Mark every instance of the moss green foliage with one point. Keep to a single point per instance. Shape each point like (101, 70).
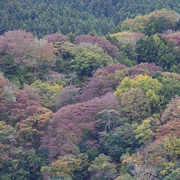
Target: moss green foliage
(157, 21)
(88, 59)
(147, 129)
(102, 168)
(150, 88)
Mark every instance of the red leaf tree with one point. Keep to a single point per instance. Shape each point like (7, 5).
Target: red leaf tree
(68, 125)
(16, 42)
(103, 81)
(143, 68)
(112, 50)
(174, 37)
(53, 38)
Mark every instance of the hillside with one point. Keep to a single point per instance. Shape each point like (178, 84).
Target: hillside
(90, 107)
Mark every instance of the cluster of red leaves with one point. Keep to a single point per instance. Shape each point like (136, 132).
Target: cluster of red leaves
(24, 113)
(18, 110)
(143, 68)
(98, 86)
(70, 122)
(112, 50)
(56, 38)
(102, 82)
(16, 43)
(175, 37)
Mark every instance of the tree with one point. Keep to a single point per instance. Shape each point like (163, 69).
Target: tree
(110, 119)
(119, 141)
(48, 92)
(149, 86)
(109, 70)
(25, 165)
(6, 133)
(143, 68)
(170, 88)
(102, 168)
(174, 37)
(112, 50)
(64, 167)
(155, 49)
(88, 58)
(135, 104)
(56, 38)
(174, 175)
(97, 87)
(160, 20)
(171, 111)
(73, 122)
(41, 55)
(67, 96)
(31, 56)
(127, 37)
(147, 129)
(30, 130)
(16, 43)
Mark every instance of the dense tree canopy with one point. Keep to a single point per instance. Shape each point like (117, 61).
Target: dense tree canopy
(84, 106)
(44, 17)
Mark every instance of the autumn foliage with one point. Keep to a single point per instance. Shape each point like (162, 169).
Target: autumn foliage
(174, 37)
(90, 108)
(70, 122)
(112, 50)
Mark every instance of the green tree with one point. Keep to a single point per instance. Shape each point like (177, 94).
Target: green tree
(48, 92)
(149, 86)
(102, 168)
(170, 88)
(119, 141)
(88, 58)
(147, 129)
(65, 167)
(174, 175)
(135, 104)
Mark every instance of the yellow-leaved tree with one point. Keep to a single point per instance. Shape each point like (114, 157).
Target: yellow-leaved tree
(139, 96)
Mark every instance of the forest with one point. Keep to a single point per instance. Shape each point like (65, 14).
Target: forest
(43, 17)
(94, 104)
